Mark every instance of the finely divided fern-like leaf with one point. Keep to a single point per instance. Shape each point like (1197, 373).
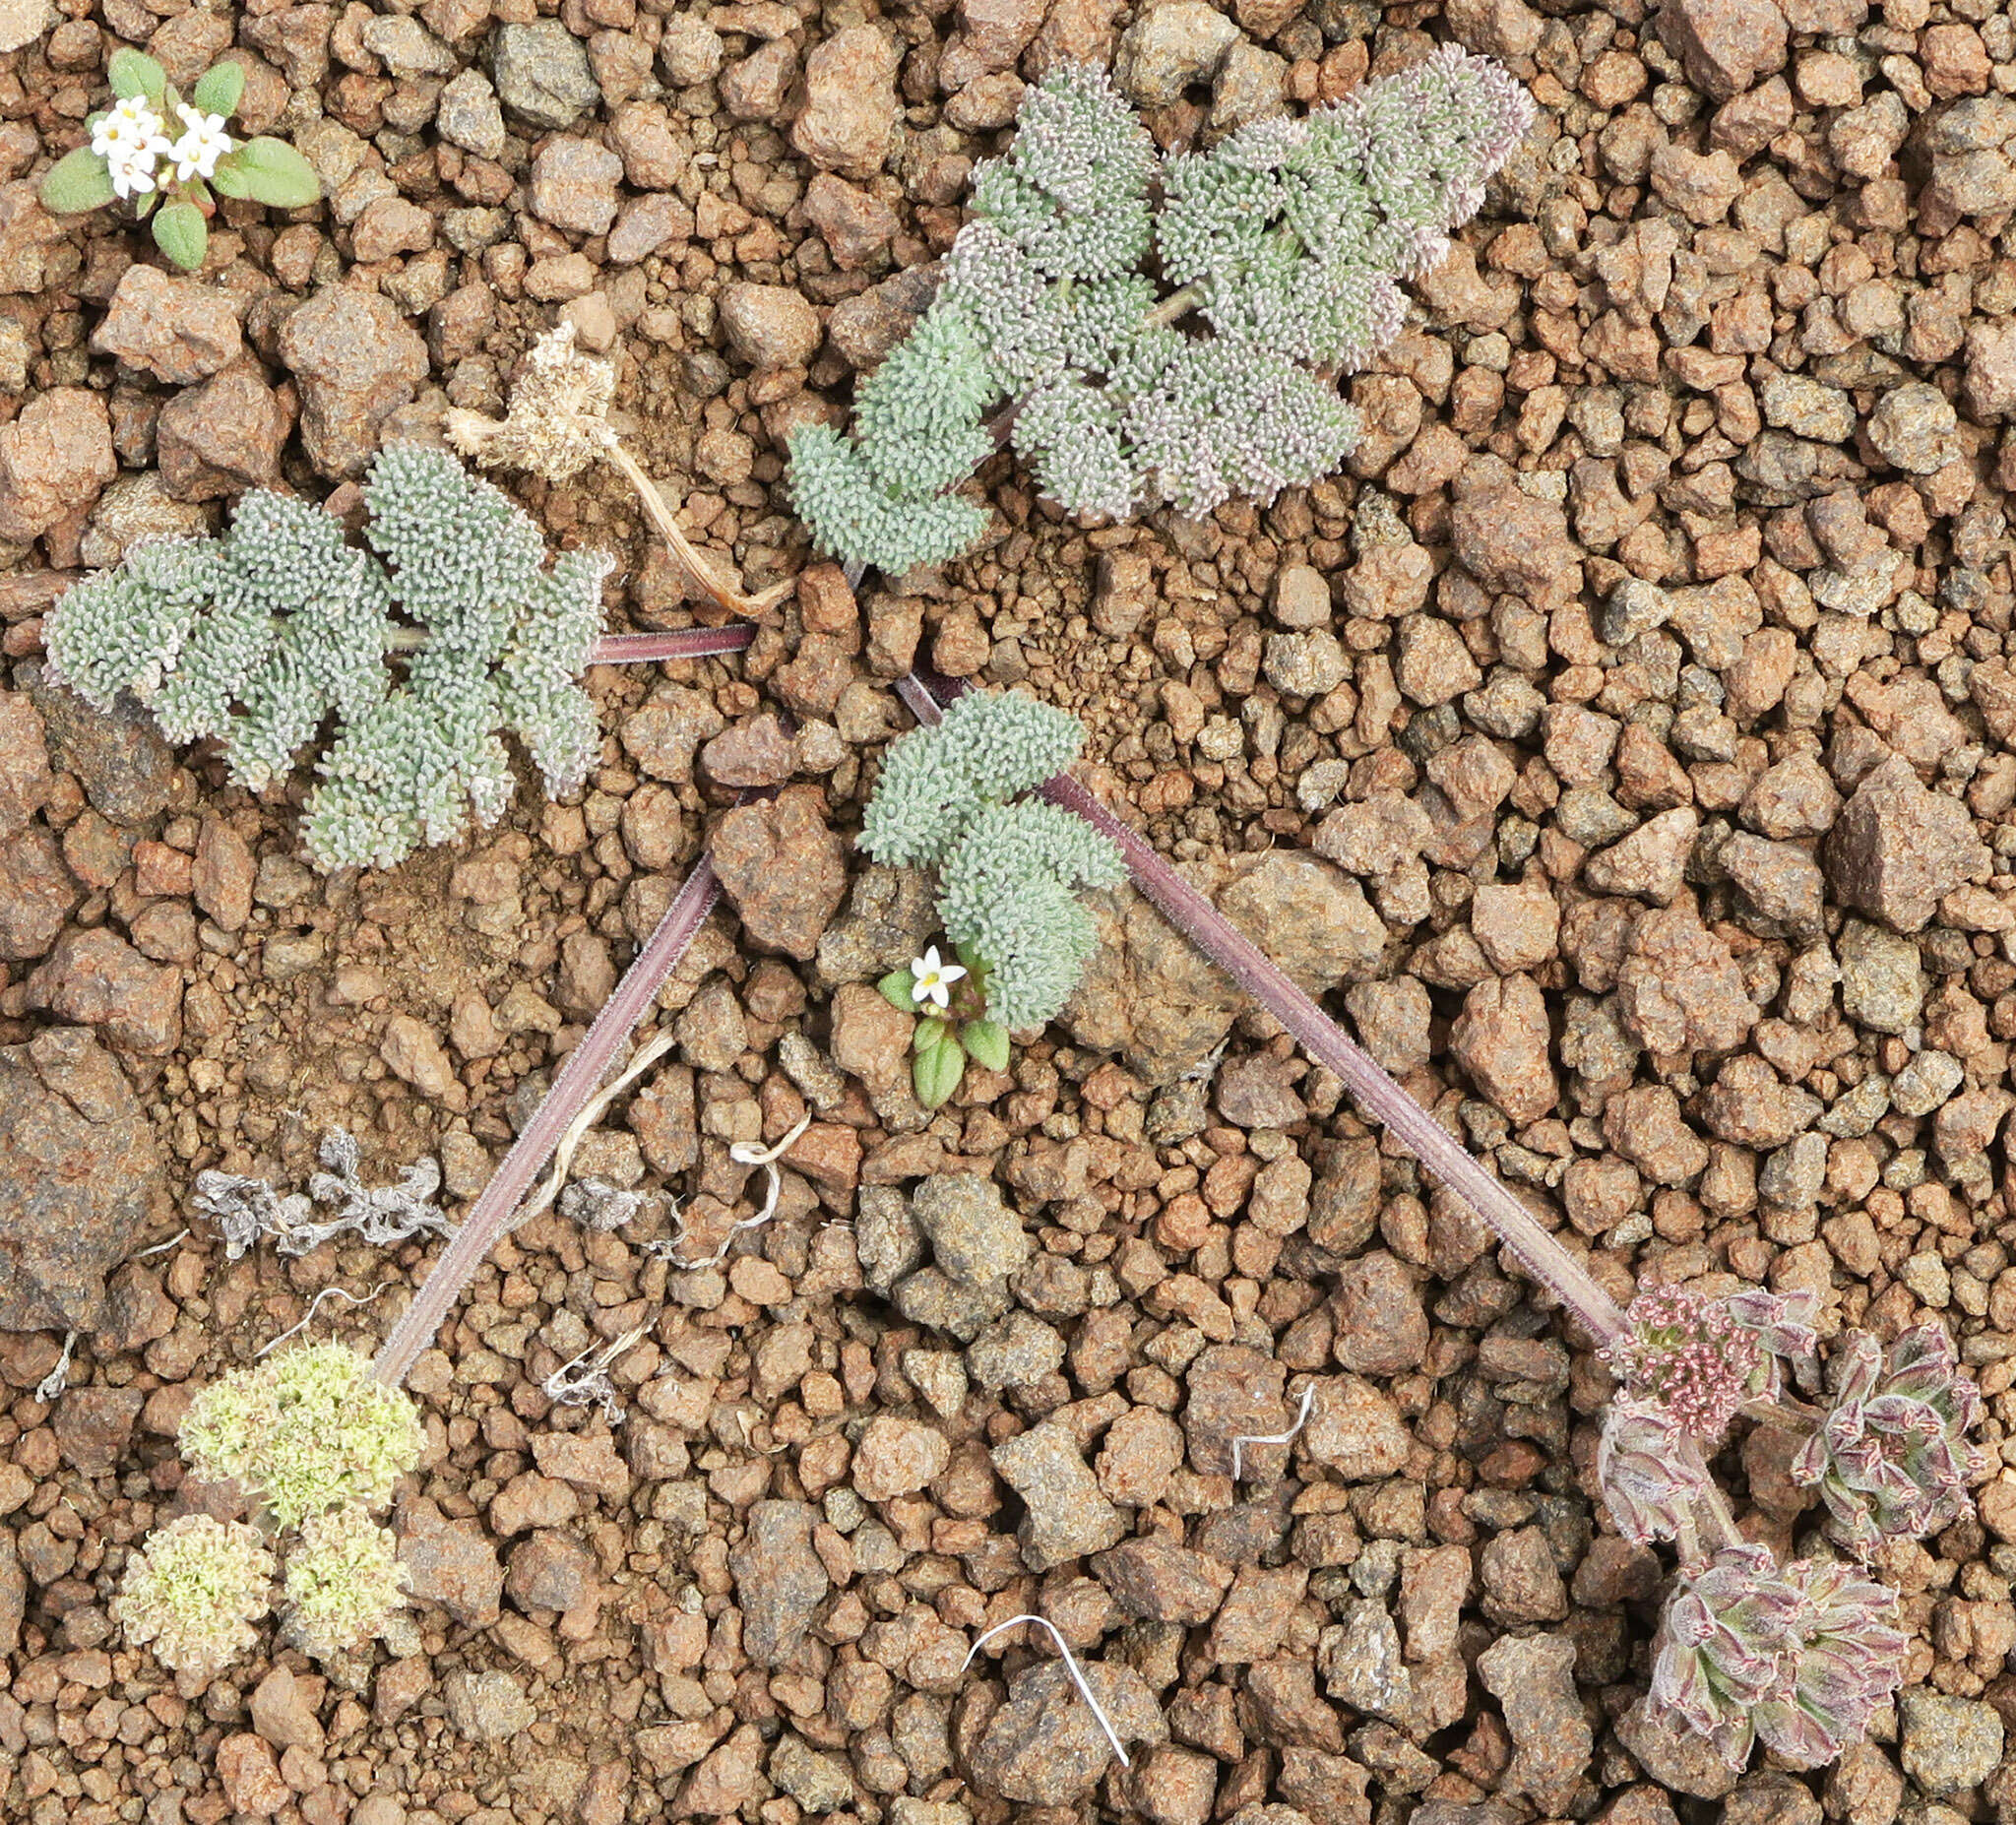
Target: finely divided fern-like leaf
(1285, 241)
(281, 628)
(1008, 868)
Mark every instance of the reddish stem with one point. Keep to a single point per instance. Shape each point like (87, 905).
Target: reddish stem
(688, 643)
(577, 1079)
(1529, 1241)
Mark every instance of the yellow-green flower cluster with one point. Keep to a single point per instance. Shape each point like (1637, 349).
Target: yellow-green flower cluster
(309, 1430)
(194, 1590)
(343, 1580)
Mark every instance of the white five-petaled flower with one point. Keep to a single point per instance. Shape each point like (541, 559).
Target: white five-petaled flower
(931, 980)
(129, 138)
(203, 143)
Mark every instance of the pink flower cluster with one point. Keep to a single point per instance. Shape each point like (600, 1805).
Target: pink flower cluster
(1686, 1354)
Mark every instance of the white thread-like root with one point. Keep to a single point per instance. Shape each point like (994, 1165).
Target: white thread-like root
(1274, 1438)
(1071, 1667)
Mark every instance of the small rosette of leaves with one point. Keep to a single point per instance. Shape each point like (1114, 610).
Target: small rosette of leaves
(1890, 1457)
(171, 158)
(944, 1041)
(1801, 1657)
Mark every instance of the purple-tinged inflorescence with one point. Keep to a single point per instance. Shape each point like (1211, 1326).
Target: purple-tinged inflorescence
(1648, 1483)
(1891, 1457)
(1686, 1353)
(1722, 1647)
(1850, 1659)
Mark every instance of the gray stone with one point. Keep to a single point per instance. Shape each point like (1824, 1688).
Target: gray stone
(1169, 47)
(79, 1174)
(469, 115)
(1914, 426)
(779, 1581)
(1950, 1745)
(1017, 1352)
(1067, 1517)
(1045, 1748)
(818, 1782)
(487, 1707)
(1883, 978)
(541, 73)
(975, 1236)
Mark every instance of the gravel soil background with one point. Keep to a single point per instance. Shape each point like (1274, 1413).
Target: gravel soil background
(1626, 742)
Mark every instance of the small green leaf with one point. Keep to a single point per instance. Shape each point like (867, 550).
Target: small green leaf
(77, 181)
(181, 233)
(930, 1032)
(269, 171)
(987, 1042)
(899, 989)
(218, 88)
(936, 1073)
(969, 957)
(134, 73)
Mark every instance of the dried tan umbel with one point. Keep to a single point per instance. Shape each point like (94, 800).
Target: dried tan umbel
(558, 424)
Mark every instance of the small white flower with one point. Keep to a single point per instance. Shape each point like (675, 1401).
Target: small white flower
(931, 980)
(132, 169)
(203, 143)
(131, 126)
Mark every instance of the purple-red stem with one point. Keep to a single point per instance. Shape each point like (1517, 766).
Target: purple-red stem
(577, 1079)
(1531, 1245)
(689, 643)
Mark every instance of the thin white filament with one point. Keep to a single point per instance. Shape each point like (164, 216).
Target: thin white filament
(742, 1152)
(315, 1305)
(1274, 1438)
(641, 1061)
(1071, 1667)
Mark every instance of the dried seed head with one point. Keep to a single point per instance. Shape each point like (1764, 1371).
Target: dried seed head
(557, 424)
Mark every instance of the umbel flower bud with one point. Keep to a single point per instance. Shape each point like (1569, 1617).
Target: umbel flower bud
(1648, 1483)
(1891, 1456)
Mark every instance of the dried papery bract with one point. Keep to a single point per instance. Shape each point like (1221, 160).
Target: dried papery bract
(1891, 1456)
(557, 424)
(1165, 331)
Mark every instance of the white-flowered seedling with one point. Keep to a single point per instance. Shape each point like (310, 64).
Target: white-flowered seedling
(166, 157)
